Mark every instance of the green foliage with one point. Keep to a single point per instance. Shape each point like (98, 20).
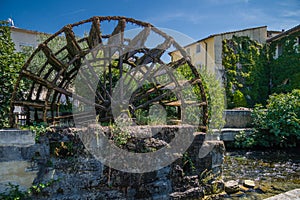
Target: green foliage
(37, 129)
(242, 140)
(120, 132)
(10, 65)
(216, 99)
(285, 73)
(207, 177)
(188, 165)
(245, 63)
(215, 94)
(39, 188)
(13, 192)
(279, 123)
(239, 99)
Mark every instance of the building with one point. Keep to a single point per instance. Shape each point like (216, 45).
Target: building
(208, 51)
(284, 50)
(279, 39)
(25, 38)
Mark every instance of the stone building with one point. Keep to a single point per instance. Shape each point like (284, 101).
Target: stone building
(208, 51)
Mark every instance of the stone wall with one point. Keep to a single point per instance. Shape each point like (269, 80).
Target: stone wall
(60, 158)
(20, 158)
(238, 118)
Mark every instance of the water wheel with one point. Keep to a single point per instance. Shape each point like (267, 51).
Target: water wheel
(119, 65)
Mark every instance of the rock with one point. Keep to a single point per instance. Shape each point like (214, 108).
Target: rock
(194, 193)
(238, 194)
(244, 189)
(249, 183)
(290, 195)
(232, 187)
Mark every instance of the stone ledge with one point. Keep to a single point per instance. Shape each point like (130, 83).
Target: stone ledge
(238, 118)
(290, 195)
(15, 137)
(228, 134)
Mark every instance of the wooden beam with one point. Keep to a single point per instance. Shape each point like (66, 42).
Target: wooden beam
(72, 45)
(94, 37)
(52, 60)
(31, 103)
(50, 85)
(179, 103)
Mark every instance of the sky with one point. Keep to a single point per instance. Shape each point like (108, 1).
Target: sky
(194, 18)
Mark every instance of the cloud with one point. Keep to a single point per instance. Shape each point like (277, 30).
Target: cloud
(275, 21)
(288, 3)
(291, 13)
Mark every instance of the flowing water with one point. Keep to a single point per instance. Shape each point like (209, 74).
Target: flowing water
(274, 171)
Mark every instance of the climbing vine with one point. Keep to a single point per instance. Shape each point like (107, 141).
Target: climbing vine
(246, 75)
(285, 73)
(10, 64)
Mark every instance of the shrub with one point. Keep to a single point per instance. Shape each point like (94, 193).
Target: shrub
(243, 140)
(239, 99)
(279, 123)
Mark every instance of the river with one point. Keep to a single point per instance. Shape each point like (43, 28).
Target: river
(274, 171)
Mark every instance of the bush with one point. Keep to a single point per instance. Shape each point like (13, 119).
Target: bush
(243, 140)
(279, 123)
(239, 99)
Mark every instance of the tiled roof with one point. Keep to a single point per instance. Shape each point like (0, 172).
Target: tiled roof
(283, 34)
(28, 31)
(224, 33)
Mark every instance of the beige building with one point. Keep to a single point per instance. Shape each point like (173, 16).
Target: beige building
(25, 38)
(208, 51)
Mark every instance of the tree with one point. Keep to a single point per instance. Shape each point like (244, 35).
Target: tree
(10, 65)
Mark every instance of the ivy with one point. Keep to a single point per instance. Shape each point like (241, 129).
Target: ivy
(245, 64)
(285, 73)
(10, 65)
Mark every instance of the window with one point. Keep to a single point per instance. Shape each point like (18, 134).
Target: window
(26, 47)
(188, 51)
(199, 65)
(297, 44)
(198, 48)
(279, 49)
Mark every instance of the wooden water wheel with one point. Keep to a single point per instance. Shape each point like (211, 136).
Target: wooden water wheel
(109, 52)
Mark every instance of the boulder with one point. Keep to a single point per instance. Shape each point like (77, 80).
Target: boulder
(231, 187)
(249, 183)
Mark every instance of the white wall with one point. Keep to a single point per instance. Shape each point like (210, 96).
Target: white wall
(24, 38)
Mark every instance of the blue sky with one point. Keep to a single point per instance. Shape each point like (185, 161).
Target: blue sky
(195, 18)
